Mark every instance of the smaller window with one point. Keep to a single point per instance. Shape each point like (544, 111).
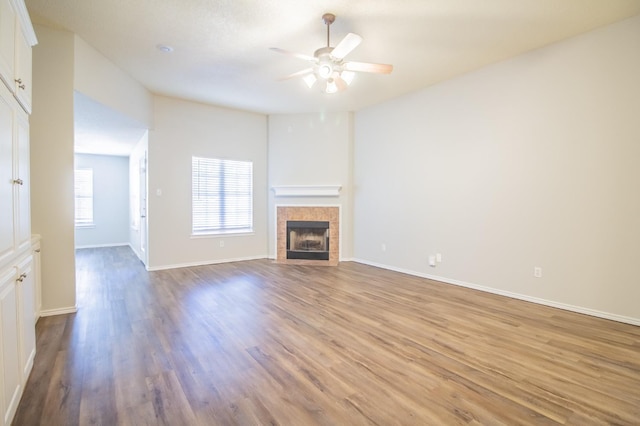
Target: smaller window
(84, 197)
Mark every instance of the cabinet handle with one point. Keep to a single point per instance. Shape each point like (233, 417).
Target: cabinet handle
(22, 277)
(37, 250)
(20, 85)
(18, 182)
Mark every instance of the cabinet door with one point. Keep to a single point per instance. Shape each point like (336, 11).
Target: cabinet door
(7, 41)
(23, 78)
(21, 175)
(27, 326)
(11, 373)
(6, 174)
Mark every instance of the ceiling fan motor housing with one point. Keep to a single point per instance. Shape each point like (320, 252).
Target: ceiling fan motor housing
(326, 63)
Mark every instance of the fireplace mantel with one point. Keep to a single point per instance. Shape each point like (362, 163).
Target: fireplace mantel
(307, 190)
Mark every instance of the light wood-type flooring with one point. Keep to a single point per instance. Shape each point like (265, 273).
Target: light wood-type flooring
(258, 343)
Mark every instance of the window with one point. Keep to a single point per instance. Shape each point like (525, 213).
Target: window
(222, 196)
(84, 197)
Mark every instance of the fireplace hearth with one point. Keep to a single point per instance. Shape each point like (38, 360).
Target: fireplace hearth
(307, 240)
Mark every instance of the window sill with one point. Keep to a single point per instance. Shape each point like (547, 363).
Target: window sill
(87, 226)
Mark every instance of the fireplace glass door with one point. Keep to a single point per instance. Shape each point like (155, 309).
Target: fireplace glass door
(307, 240)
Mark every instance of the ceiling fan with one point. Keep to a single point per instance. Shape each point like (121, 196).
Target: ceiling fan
(328, 65)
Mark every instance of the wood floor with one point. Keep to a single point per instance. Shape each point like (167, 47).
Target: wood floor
(260, 343)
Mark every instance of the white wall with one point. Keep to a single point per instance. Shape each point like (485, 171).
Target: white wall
(185, 129)
(110, 201)
(56, 58)
(529, 162)
(52, 198)
(312, 149)
(98, 78)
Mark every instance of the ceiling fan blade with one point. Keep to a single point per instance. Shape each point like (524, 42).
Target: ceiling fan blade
(346, 45)
(294, 54)
(368, 67)
(300, 73)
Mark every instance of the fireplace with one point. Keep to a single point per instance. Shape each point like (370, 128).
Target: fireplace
(307, 239)
(308, 235)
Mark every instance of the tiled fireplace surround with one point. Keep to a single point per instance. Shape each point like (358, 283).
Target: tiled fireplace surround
(329, 214)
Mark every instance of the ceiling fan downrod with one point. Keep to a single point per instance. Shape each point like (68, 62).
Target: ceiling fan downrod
(328, 19)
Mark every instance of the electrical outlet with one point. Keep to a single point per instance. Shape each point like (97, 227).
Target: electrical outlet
(221, 243)
(432, 260)
(438, 257)
(384, 247)
(537, 272)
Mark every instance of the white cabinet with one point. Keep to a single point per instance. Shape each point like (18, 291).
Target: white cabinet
(7, 233)
(11, 375)
(15, 209)
(7, 41)
(16, 39)
(22, 75)
(21, 177)
(26, 289)
(19, 261)
(17, 328)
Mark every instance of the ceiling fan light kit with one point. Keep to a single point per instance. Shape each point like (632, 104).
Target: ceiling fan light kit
(328, 65)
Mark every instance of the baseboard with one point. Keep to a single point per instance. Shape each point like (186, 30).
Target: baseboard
(526, 298)
(102, 245)
(29, 364)
(136, 252)
(204, 263)
(61, 311)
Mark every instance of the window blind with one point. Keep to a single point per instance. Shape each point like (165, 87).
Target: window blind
(83, 196)
(222, 196)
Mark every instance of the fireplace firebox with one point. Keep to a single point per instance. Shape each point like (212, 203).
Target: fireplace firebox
(307, 240)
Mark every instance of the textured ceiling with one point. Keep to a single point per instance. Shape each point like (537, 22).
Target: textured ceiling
(221, 50)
